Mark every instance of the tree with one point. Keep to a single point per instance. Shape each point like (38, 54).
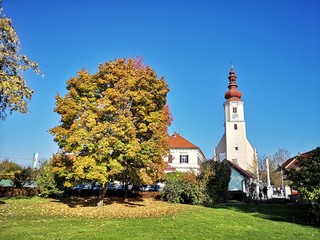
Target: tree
(24, 177)
(14, 92)
(113, 123)
(47, 182)
(218, 181)
(306, 178)
(275, 161)
(8, 169)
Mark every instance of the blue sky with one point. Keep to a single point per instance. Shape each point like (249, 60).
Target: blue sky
(274, 46)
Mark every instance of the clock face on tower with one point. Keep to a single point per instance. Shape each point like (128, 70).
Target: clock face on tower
(235, 116)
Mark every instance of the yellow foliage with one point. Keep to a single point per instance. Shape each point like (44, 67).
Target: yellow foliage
(114, 122)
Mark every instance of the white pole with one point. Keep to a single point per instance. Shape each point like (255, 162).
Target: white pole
(268, 173)
(270, 191)
(258, 181)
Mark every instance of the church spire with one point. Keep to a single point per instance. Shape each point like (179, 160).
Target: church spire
(233, 94)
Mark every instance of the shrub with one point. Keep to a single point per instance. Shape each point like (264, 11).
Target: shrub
(209, 187)
(47, 183)
(184, 188)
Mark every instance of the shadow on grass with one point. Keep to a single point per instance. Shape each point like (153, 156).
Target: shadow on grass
(74, 202)
(298, 214)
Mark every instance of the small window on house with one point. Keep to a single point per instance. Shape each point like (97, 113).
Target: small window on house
(235, 161)
(236, 147)
(234, 110)
(235, 127)
(184, 158)
(170, 158)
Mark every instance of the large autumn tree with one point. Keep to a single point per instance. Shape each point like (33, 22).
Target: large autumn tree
(14, 91)
(113, 123)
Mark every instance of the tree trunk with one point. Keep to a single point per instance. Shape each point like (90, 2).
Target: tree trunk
(126, 189)
(102, 194)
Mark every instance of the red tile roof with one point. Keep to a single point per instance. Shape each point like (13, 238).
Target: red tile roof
(176, 141)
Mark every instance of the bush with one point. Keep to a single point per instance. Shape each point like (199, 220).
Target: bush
(182, 188)
(47, 183)
(210, 186)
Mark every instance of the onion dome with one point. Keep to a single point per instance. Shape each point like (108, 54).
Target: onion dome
(233, 94)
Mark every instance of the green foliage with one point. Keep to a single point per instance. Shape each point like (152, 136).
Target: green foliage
(23, 177)
(47, 182)
(209, 187)
(218, 181)
(14, 92)
(182, 191)
(8, 169)
(173, 176)
(113, 124)
(306, 178)
(184, 188)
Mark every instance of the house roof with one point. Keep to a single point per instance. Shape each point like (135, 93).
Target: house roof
(292, 162)
(239, 169)
(176, 141)
(5, 183)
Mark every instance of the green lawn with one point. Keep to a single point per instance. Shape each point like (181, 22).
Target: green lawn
(37, 218)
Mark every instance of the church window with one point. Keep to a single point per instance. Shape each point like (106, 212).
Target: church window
(184, 158)
(236, 147)
(234, 110)
(235, 127)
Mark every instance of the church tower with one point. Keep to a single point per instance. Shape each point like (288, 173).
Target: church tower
(234, 145)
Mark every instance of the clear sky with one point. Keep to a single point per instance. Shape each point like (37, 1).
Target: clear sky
(273, 45)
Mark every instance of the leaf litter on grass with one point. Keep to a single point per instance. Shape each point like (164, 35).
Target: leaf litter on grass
(84, 208)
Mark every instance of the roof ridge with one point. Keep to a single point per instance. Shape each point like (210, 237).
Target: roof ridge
(177, 141)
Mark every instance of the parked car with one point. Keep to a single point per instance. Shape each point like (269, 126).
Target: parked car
(148, 188)
(86, 186)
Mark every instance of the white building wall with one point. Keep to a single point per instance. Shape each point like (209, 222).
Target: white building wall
(195, 158)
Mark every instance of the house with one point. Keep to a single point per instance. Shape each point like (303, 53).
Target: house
(184, 155)
(291, 163)
(240, 179)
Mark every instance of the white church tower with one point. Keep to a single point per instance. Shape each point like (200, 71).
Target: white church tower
(234, 145)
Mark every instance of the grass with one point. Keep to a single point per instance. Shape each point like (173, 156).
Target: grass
(38, 218)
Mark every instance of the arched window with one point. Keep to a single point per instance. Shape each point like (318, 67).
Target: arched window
(235, 127)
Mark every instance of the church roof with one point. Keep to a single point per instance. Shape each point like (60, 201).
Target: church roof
(176, 141)
(240, 170)
(233, 94)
